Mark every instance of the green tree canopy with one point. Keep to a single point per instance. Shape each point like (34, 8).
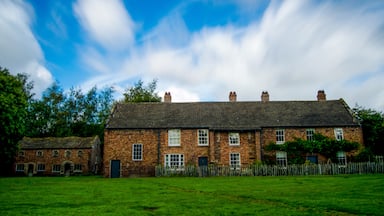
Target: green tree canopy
(72, 113)
(140, 93)
(373, 129)
(14, 95)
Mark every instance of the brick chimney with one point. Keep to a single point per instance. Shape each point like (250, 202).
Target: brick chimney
(264, 96)
(321, 96)
(167, 97)
(232, 96)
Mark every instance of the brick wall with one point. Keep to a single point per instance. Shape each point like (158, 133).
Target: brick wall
(354, 134)
(350, 133)
(118, 146)
(47, 158)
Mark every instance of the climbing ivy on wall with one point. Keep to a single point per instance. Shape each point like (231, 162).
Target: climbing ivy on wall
(321, 144)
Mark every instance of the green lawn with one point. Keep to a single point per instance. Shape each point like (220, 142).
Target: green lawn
(307, 195)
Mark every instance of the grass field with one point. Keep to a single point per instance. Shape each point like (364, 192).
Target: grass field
(307, 195)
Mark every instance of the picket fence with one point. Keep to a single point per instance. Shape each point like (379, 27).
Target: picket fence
(272, 170)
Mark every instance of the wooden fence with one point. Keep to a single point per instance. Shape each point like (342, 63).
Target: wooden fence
(273, 170)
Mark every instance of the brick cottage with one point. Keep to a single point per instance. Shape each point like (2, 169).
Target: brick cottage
(140, 136)
(58, 156)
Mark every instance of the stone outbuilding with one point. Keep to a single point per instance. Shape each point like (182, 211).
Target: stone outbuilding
(140, 136)
(59, 156)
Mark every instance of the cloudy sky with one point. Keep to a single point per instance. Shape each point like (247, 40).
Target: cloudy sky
(201, 50)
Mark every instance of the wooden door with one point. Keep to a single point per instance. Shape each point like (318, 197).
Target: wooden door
(115, 169)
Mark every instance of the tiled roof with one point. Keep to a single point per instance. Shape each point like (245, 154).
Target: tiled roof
(58, 143)
(231, 115)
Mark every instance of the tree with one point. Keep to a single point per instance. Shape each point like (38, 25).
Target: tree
(373, 130)
(14, 95)
(73, 113)
(140, 93)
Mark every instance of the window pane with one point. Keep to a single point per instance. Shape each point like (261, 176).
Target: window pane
(202, 137)
(78, 167)
(280, 136)
(339, 134)
(174, 160)
(234, 160)
(20, 167)
(234, 139)
(281, 158)
(40, 167)
(341, 157)
(137, 152)
(56, 168)
(310, 133)
(174, 137)
(55, 153)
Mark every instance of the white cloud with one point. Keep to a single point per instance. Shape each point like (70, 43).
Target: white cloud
(296, 49)
(19, 50)
(107, 22)
(180, 94)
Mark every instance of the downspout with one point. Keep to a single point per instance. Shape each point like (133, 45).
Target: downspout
(261, 145)
(158, 146)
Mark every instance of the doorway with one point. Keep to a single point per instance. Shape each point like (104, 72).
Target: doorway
(203, 166)
(30, 169)
(67, 169)
(115, 169)
(203, 161)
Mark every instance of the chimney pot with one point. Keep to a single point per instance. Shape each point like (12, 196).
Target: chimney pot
(264, 96)
(232, 96)
(167, 97)
(321, 96)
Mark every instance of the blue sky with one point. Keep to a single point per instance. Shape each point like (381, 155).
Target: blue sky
(201, 50)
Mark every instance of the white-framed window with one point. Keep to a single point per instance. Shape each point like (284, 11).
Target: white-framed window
(21, 154)
(137, 152)
(67, 153)
(55, 153)
(341, 158)
(280, 137)
(234, 161)
(39, 153)
(40, 167)
(339, 134)
(309, 133)
(80, 153)
(174, 137)
(56, 168)
(174, 160)
(203, 137)
(20, 167)
(78, 168)
(281, 158)
(234, 138)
